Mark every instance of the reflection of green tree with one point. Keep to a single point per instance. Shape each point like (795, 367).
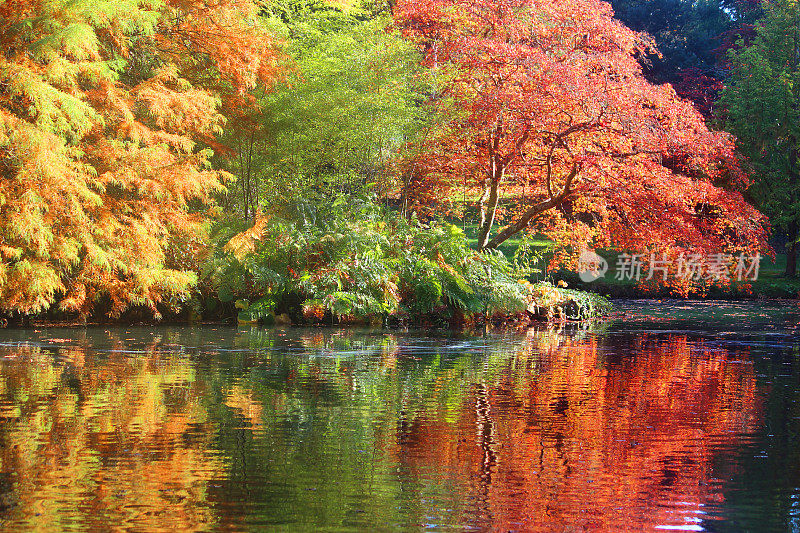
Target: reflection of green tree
(325, 428)
(333, 408)
(129, 438)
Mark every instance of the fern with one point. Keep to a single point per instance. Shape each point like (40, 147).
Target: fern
(353, 259)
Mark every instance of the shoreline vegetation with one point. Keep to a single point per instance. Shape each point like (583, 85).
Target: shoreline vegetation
(350, 260)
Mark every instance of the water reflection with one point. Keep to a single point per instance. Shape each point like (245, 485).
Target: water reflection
(90, 440)
(191, 429)
(594, 442)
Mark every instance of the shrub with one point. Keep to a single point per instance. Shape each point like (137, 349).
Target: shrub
(349, 258)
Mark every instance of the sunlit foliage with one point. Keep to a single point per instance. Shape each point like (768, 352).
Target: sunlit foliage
(348, 102)
(548, 122)
(105, 108)
(348, 258)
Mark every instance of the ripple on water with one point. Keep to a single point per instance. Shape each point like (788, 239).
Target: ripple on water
(664, 420)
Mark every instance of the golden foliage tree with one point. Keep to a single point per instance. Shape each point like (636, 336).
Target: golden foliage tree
(105, 109)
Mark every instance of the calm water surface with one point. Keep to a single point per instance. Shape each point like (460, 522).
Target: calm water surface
(680, 416)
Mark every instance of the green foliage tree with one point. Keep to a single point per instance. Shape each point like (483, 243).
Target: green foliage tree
(761, 107)
(347, 108)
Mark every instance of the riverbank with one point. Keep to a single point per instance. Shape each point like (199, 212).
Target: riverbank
(545, 303)
(770, 284)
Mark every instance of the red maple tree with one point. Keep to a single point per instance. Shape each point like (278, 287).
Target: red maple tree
(547, 121)
(701, 88)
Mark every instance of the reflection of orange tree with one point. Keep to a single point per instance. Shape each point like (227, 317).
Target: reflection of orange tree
(94, 441)
(587, 443)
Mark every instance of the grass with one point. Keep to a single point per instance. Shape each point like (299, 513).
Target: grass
(508, 247)
(771, 282)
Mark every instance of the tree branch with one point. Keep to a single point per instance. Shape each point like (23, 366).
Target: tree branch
(534, 211)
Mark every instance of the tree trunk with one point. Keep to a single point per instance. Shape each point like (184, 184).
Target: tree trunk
(482, 206)
(533, 212)
(488, 212)
(791, 252)
(491, 196)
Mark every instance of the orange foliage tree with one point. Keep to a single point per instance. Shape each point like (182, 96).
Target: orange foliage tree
(105, 109)
(549, 123)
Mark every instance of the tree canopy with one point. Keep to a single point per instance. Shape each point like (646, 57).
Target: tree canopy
(692, 38)
(106, 107)
(760, 106)
(348, 103)
(138, 138)
(546, 118)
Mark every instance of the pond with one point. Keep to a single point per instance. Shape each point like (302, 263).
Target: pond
(680, 416)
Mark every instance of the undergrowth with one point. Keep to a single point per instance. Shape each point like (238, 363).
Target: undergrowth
(348, 259)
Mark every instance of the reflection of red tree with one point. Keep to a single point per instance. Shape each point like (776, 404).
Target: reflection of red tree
(593, 444)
